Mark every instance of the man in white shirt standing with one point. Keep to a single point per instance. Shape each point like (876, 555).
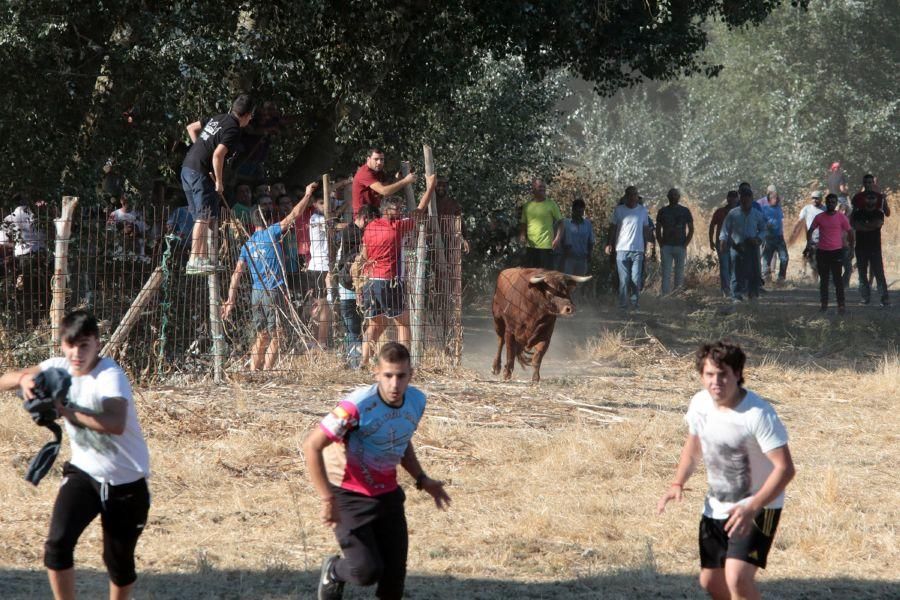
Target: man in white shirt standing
(110, 463)
(629, 234)
(744, 446)
(804, 222)
(317, 273)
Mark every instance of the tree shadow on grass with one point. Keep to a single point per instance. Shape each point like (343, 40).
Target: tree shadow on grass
(278, 584)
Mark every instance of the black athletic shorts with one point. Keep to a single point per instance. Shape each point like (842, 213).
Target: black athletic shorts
(123, 513)
(716, 546)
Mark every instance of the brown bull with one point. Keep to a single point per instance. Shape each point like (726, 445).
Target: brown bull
(526, 304)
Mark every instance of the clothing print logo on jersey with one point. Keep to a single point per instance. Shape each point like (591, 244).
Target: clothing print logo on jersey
(211, 129)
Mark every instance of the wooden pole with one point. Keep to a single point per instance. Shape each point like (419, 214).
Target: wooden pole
(438, 229)
(59, 283)
(417, 296)
(216, 329)
(331, 295)
(144, 297)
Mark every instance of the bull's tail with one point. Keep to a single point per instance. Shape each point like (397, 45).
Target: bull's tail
(525, 355)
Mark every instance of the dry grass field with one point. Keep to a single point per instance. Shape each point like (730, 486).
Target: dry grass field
(554, 487)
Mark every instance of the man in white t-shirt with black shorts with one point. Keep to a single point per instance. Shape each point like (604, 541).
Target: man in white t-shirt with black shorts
(107, 474)
(744, 446)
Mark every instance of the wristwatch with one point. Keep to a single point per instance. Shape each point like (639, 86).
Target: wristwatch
(422, 477)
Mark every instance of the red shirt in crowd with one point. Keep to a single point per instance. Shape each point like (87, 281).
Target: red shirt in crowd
(362, 190)
(301, 228)
(831, 227)
(383, 239)
(859, 201)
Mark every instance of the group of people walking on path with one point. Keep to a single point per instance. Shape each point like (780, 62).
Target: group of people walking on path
(747, 235)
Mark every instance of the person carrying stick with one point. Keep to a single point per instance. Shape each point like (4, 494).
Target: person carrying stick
(263, 256)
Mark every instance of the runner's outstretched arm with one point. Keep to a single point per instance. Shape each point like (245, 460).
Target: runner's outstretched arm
(687, 463)
(435, 488)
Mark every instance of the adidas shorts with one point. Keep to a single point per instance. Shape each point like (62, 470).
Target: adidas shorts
(753, 548)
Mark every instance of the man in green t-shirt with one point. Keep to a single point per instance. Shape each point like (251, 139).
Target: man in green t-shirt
(539, 228)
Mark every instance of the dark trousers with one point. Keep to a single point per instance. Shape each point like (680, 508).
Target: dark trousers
(829, 264)
(870, 258)
(374, 540)
(745, 262)
(539, 258)
(123, 513)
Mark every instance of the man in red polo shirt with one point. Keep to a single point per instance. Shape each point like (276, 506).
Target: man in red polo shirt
(369, 185)
(383, 294)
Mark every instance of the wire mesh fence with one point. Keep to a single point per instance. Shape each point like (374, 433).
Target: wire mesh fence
(159, 322)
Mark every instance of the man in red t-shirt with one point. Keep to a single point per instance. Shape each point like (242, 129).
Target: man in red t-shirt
(869, 185)
(715, 228)
(369, 185)
(383, 296)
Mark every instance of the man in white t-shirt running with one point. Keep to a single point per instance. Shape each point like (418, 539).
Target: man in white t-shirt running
(107, 474)
(744, 446)
(629, 234)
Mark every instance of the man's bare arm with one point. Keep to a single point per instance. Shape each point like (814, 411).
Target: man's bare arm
(393, 188)
(289, 219)
(111, 419)
(218, 162)
(194, 130)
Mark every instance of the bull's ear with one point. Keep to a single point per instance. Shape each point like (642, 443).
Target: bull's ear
(537, 279)
(579, 278)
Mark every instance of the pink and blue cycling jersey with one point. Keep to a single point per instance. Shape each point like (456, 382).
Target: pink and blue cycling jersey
(372, 437)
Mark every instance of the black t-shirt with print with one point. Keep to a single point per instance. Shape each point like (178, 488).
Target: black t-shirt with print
(221, 129)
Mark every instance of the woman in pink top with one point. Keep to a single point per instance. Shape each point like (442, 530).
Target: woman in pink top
(835, 234)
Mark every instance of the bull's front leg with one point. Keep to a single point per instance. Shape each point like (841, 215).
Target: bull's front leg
(512, 349)
(540, 349)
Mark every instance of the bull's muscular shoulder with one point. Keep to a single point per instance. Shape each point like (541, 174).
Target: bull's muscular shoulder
(515, 297)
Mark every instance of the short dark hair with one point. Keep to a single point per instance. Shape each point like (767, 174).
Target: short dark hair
(868, 176)
(261, 217)
(578, 202)
(835, 196)
(374, 150)
(368, 212)
(394, 353)
(242, 105)
(745, 192)
(723, 352)
(78, 325)
(732, 194)
(672, 193)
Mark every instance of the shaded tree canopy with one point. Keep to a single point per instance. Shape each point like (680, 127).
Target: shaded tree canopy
(355, 73)
(800, 91)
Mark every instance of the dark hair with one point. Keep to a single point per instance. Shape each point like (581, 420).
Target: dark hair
(393, 352)
(723, 352)
(368, 212)
(732, 194)
(673, 193)
(288, 196)
(242, 105)
(391, 201)
(835, 196)
(374, 150)
(578, 202)
(261, 217)
(77, 325)
(745, 192)
(868, 176)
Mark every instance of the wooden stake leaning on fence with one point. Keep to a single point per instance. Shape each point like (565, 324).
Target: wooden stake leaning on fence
(329, 249)
(133, 315)
(59, 283)
(216, 329)
(417, 295)
(440, 255)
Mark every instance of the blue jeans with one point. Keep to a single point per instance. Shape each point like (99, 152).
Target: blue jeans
(200, 192)
(745, 259)
(630, 266)
(726, 273)
(574, 265)
(773, 245)
(669, 255)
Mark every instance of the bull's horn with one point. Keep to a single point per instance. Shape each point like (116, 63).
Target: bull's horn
(579, 278)
(537, 278)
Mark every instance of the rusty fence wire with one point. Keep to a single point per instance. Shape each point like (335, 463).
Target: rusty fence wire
(157, 321)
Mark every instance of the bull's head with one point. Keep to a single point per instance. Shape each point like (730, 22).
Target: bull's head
(557, 289)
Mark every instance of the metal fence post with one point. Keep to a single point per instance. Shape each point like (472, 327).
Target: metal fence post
(216, 330)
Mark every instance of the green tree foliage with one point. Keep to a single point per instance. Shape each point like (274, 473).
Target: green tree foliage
(355, 73)
(800, 91)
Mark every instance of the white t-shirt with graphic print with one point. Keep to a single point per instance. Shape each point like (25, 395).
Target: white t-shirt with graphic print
(734, 443)
(108, 458)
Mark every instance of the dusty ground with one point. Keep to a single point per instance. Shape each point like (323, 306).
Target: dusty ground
(554, 487)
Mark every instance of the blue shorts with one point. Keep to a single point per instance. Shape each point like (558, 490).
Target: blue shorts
(382, 297)
(200, 192)
(266, 306)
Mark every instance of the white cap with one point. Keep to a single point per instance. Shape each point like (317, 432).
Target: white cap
(771, 189)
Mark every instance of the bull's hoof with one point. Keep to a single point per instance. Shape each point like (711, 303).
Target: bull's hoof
(535, 379)
(495, 369)
(507, 375)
